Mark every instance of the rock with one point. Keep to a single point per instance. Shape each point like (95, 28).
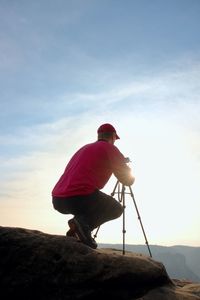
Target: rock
(36, 265)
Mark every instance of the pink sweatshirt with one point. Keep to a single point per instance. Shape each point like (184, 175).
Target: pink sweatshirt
(90, 168)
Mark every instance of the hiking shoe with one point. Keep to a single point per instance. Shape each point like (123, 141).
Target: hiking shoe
(83, 233)
(72, 231)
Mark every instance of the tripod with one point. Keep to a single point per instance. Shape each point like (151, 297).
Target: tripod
(121, 199)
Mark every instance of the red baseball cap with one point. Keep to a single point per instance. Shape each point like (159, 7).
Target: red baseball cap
(107, 128)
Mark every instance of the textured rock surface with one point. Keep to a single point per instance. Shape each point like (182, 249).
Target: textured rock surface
(43, 266)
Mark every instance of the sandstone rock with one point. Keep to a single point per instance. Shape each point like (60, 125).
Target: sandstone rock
(36, 265)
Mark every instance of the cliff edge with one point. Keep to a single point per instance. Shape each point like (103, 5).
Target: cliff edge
(36, 265)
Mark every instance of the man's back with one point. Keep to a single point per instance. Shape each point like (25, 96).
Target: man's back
(89, 169)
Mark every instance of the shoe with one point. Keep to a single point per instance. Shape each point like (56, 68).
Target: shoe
(72, 231)
(83, 232)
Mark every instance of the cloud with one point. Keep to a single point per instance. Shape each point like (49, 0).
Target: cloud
(176, 85)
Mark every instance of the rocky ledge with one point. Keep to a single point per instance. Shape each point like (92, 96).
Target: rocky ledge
(36, 265)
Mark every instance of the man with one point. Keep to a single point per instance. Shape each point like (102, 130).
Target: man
(77, 192)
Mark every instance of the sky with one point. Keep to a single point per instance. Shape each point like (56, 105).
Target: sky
(68, 66)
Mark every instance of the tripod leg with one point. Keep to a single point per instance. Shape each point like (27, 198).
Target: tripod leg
(139, 218)
(112, 194)
(124, 206)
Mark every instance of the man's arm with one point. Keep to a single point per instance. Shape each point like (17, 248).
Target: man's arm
(123, 174)
(120, 168)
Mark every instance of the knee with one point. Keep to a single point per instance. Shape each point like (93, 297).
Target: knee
(119, 210)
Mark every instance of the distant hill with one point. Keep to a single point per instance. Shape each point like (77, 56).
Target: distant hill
(181, 262)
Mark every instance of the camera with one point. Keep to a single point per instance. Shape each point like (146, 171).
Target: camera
(127, 160)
